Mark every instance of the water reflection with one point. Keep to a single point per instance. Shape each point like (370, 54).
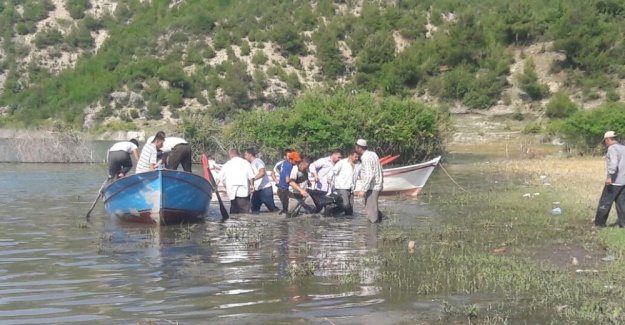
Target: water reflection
(56, 268)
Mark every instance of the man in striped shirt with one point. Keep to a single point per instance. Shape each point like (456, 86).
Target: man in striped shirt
(147, 160)
(372, 178)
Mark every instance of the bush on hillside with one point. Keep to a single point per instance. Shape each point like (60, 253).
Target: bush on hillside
(49, 37)
(77, 8)
(560, 106)
(528, 81)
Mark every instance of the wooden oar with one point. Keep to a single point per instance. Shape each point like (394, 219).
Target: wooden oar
(97, 198)
(211, 179)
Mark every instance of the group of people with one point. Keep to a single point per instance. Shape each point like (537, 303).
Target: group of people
(170, 152)
(302, 183)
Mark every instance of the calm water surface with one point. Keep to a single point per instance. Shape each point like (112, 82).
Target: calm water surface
(57, 268)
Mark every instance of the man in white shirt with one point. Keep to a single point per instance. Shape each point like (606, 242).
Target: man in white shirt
(118, 157)
(263, 191)
(148, 158)
(238, 179)
(372, 179)
(176, 151)
(343, 177)
(321, 169)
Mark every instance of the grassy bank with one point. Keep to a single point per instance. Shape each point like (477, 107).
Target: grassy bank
(503, 251)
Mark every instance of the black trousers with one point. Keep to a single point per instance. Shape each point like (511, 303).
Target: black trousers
(119, 163)
(283, 195)
(180, 155)
(611, 194)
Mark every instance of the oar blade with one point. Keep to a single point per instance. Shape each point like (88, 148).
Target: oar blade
(211, 179)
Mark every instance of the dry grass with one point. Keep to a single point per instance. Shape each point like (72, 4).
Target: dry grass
(578, 178)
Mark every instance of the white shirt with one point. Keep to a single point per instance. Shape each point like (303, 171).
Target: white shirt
(236, 175)
(126, 146)
(294, 172)
(344, 175)
(169, 143)
(263, 182)
(322, 168)
(148, 156)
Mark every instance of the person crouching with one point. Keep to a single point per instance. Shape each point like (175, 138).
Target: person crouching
(298, 182)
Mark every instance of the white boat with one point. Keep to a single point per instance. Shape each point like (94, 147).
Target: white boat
(406, 180)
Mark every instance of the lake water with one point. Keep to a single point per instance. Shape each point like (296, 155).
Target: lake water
(57, 268)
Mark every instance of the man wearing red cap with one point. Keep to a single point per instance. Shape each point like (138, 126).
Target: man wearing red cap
(292, 158)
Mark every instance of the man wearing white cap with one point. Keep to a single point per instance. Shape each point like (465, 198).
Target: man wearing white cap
(614, 183)
(371, 177)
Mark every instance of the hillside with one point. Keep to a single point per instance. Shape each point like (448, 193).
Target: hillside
(127, 64)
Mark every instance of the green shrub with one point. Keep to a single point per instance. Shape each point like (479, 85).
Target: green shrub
(35, 11)
(245, 48)
(80, 37)
(612, 96)
(77, 8)
(26, 28)
(560, 106)
(528, 81)
(259, 57)
(318, 123)
(288, 38)
(532, 128)
(49, 37)
(155, 112)
(584, 130)
(174, 99)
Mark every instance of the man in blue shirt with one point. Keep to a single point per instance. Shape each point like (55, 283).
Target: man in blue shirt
(285, 177)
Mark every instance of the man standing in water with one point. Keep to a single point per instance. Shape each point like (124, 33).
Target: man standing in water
(371, 177)
(343, 176)
(238, 179)
(283, 182)
(322, 168)
(614, 183)
(263, 191)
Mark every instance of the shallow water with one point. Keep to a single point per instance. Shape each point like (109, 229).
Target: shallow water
(57, 268)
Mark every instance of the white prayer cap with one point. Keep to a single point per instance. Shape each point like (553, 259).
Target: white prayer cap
(361, 142)
(609, 134)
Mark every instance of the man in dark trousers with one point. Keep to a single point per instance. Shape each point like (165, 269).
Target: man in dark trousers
(614, 183)
(263, 191)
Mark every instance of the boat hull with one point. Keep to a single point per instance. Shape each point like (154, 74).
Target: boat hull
(164, 197)
(406, 180)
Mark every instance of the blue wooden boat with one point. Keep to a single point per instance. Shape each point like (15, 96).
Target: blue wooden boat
(165, 197)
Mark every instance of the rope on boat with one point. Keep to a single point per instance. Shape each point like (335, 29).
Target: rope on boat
(451, 178)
